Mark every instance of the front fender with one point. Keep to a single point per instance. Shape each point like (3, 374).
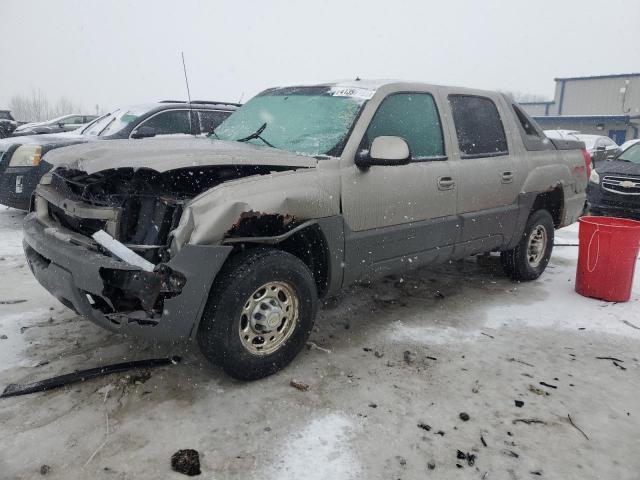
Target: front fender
(301, 194)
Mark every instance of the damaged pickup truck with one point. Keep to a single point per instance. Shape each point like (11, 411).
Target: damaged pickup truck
(231, 240)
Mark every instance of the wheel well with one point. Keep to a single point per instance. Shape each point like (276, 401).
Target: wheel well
(308, 244)
(553, 202)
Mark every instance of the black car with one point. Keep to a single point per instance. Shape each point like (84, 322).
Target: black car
(7, 123)
(614, 187)
(21, 158)
(66, 123)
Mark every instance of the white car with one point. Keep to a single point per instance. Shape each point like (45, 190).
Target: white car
(600, 147)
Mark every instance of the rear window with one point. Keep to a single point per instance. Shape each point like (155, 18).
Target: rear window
(478, 126)
(525, 122)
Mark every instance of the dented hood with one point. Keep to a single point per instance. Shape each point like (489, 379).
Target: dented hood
(170, 153)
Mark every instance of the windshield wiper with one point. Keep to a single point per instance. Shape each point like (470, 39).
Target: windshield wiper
(255, 135)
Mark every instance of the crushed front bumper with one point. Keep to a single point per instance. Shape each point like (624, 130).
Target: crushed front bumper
(74, 274)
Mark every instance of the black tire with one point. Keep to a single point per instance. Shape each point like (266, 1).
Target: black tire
(219, 331)
(517, 263)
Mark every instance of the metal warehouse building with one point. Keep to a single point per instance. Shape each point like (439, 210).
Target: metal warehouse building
(602, 105)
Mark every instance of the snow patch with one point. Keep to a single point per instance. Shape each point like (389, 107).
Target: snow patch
(437, 335)
(322, 450)
(12, 348)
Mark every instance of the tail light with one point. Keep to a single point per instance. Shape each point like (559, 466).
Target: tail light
(587, 161)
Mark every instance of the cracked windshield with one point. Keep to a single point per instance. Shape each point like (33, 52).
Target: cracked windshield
(332, 240)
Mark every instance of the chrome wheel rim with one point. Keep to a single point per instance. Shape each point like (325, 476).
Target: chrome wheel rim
(268, 318)
(537, 245)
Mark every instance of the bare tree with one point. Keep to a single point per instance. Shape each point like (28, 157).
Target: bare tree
(36, 107)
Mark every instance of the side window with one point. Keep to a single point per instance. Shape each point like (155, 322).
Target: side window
(172, 121)
(478, 126)
(532, 135)
(525, 122)
(414, 117)
(210, 119)
(75, 120)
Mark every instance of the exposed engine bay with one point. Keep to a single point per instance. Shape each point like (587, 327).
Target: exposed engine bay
(146, 205)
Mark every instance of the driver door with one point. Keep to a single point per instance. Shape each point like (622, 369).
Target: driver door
(402, 216)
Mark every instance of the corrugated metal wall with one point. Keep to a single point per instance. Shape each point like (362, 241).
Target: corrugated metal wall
(617, 95)
(598, 96)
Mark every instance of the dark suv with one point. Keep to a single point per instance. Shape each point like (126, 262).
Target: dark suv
(7, 123)
(614, 186)
(21, 158)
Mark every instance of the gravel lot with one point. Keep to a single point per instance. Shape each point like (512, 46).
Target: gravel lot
(399, 360)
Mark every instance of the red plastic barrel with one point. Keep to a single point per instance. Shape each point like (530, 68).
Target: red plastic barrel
(607, 257)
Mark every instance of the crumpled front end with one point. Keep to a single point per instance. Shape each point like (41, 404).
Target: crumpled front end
(183, 222)
(139, 209)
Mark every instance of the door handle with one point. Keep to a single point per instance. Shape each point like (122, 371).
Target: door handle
(446, 183)
(507, 177)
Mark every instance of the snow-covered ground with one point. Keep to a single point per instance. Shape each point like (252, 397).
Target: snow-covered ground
(486, 344)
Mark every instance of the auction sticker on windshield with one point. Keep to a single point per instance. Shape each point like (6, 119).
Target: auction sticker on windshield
(363, 93)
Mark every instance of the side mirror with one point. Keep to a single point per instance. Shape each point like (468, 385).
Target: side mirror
(61, 124)
(385, 150)
(144, 132)
(601, 149)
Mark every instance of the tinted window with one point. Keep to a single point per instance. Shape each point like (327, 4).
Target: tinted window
(166, 123)
(525, 122)
(210, 119)
(478, 126)
(412, 116)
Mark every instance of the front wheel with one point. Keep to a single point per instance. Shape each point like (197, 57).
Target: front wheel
(530, 257)
(259, 314)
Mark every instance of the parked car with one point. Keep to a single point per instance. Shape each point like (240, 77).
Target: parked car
(66, 123)
(614, 187)
(7, 123)
(600, 148)
(232, 239)
(21, 159)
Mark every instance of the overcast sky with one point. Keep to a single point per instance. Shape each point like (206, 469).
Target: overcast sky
(115, 53)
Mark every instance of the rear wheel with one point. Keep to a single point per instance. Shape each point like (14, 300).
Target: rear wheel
(530, 257)
(259, 314)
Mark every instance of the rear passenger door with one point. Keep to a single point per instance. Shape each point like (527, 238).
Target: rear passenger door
(489, 176)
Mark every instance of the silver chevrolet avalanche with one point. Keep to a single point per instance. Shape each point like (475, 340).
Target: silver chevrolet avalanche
(231, 239)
